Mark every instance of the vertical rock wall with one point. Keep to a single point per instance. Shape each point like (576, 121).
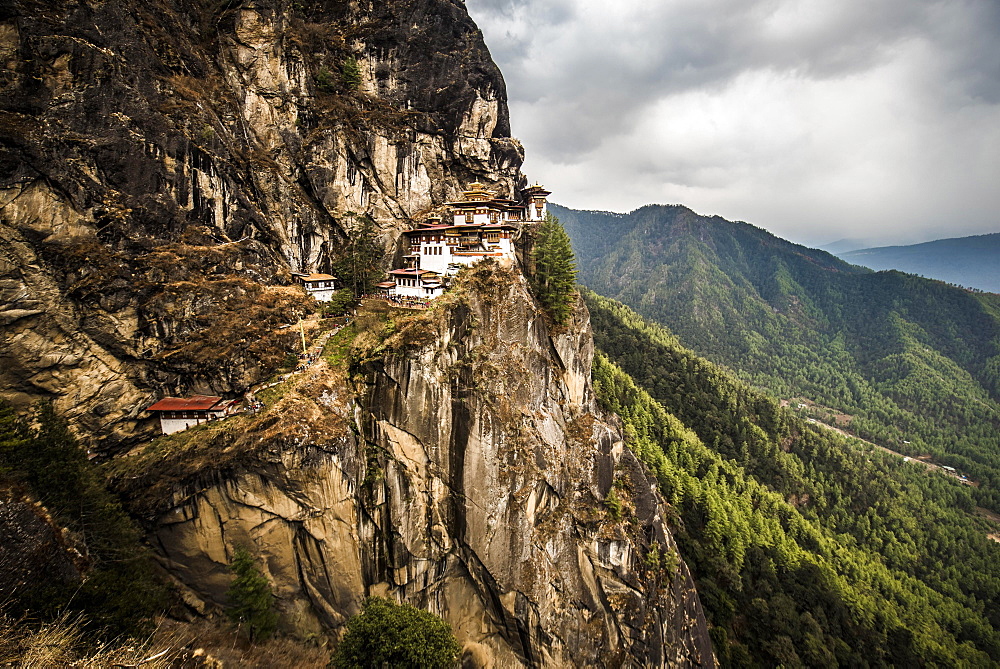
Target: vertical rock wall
(137, 140)
(473, 484)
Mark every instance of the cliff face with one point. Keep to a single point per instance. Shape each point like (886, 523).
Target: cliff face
(163, 164)
(164, 167)
(465, 468)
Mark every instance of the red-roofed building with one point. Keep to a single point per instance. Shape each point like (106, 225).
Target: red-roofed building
(180, 413)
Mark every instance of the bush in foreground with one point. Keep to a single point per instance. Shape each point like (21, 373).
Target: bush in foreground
(390, 634)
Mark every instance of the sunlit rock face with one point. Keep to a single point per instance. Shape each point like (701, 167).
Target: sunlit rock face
(160, 161)
(164, 167)
(463, 469)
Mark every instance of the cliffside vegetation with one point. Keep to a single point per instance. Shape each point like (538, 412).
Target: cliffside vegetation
(359, 266)
(807, 547)
(109, 577)
(553, 269)
(909, 363)
(251, 602)
(396, 635)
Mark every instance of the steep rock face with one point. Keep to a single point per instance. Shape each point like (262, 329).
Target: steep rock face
(476, 482)
(33, 548)
(161, 162)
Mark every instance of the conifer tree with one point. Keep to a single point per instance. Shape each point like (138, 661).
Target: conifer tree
(554, 276)
(358, 267)
(350, 72)
(250, 597)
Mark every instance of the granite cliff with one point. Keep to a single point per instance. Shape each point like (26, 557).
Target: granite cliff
(163, 169)
(459, 463)
(164, 166)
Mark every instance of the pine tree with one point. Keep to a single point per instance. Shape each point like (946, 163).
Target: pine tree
(250, 597)
(350, 73)
(554, 277)
(358, 267)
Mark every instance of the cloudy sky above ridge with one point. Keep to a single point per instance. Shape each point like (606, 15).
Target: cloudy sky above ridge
(816, 119)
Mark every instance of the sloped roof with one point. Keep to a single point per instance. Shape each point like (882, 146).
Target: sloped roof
(319, 277)
(409, 271)
(193, 403)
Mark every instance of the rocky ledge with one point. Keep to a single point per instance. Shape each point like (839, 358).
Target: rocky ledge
(462, 465)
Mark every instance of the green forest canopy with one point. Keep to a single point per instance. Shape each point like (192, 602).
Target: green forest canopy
(807, 547)
(910, 363)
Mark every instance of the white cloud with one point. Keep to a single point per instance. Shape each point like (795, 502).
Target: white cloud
(811, 118)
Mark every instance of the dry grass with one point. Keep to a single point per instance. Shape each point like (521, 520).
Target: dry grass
(218, 645)
(200, 645)
(63, 644)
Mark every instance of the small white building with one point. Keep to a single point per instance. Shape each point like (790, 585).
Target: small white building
(320, 286)
(180, 413)
(419, 284)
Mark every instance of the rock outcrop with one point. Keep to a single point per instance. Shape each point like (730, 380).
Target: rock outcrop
(465, 469)
(33, 548)
(164, 167)
(161, 161)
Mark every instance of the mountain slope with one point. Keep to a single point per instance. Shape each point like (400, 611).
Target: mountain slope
(910, 363)
(966, 261)
(807, 547)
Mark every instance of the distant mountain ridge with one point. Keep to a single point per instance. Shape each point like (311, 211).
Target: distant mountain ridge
(913, 363)
(966, 261)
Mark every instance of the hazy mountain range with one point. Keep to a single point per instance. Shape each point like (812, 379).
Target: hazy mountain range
(966, 261)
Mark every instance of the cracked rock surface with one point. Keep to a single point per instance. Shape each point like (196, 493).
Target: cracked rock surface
(472, 484)
(161, 161)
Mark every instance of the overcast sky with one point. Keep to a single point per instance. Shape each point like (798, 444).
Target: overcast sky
(814, 119)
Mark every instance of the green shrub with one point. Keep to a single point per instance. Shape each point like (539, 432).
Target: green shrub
(350, 73)
(251, 602)
(614, 504)
(340, 303)
(399, 636)
(325, 81)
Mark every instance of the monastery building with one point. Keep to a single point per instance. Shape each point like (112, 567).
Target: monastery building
(481, 226)
(180, 413)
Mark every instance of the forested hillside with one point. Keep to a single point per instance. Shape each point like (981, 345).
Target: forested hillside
(966, 261)
(807, 547)
(909, 363)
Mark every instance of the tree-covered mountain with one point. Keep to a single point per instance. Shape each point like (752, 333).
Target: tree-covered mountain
(808, 548)
(966, 261)
(910, 363)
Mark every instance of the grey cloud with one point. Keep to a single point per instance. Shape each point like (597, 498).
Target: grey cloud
(583, 78)
(606, 73)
